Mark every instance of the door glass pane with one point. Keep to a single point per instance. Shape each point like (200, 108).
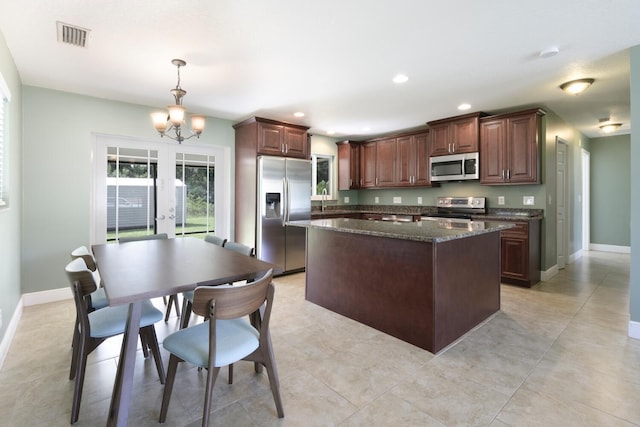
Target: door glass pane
(195, 201)
(131, 192)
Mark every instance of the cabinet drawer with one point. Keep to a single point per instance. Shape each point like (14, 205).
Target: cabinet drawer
(521, 229)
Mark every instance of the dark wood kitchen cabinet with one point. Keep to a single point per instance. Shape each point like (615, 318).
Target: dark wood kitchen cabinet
(520, 253)
(348, 165)
(377, 163)
(412, 160)
(273, 138)
(453, 135)
(510, 148)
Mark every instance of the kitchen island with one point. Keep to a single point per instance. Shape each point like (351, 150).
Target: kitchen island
(427, 282)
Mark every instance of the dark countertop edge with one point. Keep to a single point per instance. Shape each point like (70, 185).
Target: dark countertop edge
(497, 226)
(513, 215)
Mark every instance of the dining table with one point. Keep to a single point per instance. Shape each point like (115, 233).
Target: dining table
(137, 271)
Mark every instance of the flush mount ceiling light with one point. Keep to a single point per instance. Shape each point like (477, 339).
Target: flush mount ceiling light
(174, 120)
(549, 52)
(574, 87)
(610, 127)
(400, 78)
(298, 114)
(464, 106)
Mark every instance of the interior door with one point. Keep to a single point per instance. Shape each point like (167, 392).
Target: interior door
(561, 203)
(142, 187)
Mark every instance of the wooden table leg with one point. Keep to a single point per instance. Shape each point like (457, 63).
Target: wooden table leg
(122, 387)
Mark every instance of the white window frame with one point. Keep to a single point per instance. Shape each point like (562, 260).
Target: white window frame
(314, 176)
(5, 99)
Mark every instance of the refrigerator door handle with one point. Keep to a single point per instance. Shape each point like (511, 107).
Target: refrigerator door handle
(288, 207)
(285, 200)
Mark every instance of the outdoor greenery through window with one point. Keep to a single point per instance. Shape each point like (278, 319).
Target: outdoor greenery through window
(195, 195)
(322, 172)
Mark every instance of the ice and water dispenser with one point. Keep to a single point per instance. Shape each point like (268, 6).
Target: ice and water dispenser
(272, 205)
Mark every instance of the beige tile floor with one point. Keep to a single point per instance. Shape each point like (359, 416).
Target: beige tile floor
(555, 355)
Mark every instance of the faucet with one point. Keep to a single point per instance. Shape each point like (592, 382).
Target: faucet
(324, 199)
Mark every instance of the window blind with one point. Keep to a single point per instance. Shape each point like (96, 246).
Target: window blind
(3, 103)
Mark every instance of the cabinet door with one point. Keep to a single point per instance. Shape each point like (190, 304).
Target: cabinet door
(464, 135)
(344, 166)
(368, 165)
(296, 143)
(493, 141)
(440, 139)
(405, 160)
(386, 163)
(270, 139)
(522, 151)
(422, 175)
(515, 257)
(354, 166)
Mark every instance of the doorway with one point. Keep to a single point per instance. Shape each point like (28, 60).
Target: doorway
(562, 206)
(141, 188)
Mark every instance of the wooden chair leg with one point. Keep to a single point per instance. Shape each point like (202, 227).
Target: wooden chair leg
(272, 373)
(81, 365)
(186, 314)
(173, 300)
(74, 350)
(212, 374)
(152, 339)
(168, 387)
(231, 373)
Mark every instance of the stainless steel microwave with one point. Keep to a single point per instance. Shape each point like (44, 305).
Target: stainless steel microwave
(455, 167)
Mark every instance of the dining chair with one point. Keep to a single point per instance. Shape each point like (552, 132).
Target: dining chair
(187, 297)
(226, 338)
(216, 240)
(96, 326)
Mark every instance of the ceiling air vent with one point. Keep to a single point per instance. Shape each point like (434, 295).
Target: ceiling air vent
(71, 34)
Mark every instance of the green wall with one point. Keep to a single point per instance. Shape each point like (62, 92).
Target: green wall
(10, 218)
(610, 189)
(57, 172)
(635, 185)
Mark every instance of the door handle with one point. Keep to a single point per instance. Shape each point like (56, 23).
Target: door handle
(160, 218)
(172, 216)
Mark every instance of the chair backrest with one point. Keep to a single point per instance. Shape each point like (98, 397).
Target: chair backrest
(83, 252)
(239, 247)
(215, 240)
(159, 236)
(232, 302)
(77, 271)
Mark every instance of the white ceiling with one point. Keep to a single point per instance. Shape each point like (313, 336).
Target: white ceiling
(334, 59)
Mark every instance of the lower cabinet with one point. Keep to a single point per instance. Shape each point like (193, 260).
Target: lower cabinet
(520, 254)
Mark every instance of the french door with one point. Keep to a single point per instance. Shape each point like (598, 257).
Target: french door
(142, 187)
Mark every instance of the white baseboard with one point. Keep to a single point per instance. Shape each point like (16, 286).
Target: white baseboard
(634, 329)
(575, 256)
(548, 274)
(11, 331)
(610, 248)
(43, 297)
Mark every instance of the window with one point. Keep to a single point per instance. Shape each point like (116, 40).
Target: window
(322, 175)
(5, 97)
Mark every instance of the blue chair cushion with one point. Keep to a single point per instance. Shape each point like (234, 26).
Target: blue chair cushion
(98, 299)
(235, 339)
(110, 321)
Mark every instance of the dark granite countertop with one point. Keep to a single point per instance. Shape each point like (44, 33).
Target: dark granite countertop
(493, 214)
(434, 231)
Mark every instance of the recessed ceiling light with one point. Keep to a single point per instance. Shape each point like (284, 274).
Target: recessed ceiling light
(331, 132)
(366, 129)
(400, 78)
(574, 87)
(549, 52)
(464, 106)
(299, 114)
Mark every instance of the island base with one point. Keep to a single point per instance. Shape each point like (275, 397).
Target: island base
(425, 293)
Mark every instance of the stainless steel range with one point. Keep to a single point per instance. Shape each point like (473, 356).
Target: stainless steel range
(460, 208)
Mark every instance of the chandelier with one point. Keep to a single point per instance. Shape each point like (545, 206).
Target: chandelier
(174, 119)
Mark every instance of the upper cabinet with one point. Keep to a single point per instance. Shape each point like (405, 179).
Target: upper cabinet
(348, 165)
(412, 160)
(270, 137)
(458, 134)
(510, 148)
(400, 161)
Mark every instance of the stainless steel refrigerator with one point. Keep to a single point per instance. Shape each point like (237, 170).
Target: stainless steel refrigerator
(284, 194)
